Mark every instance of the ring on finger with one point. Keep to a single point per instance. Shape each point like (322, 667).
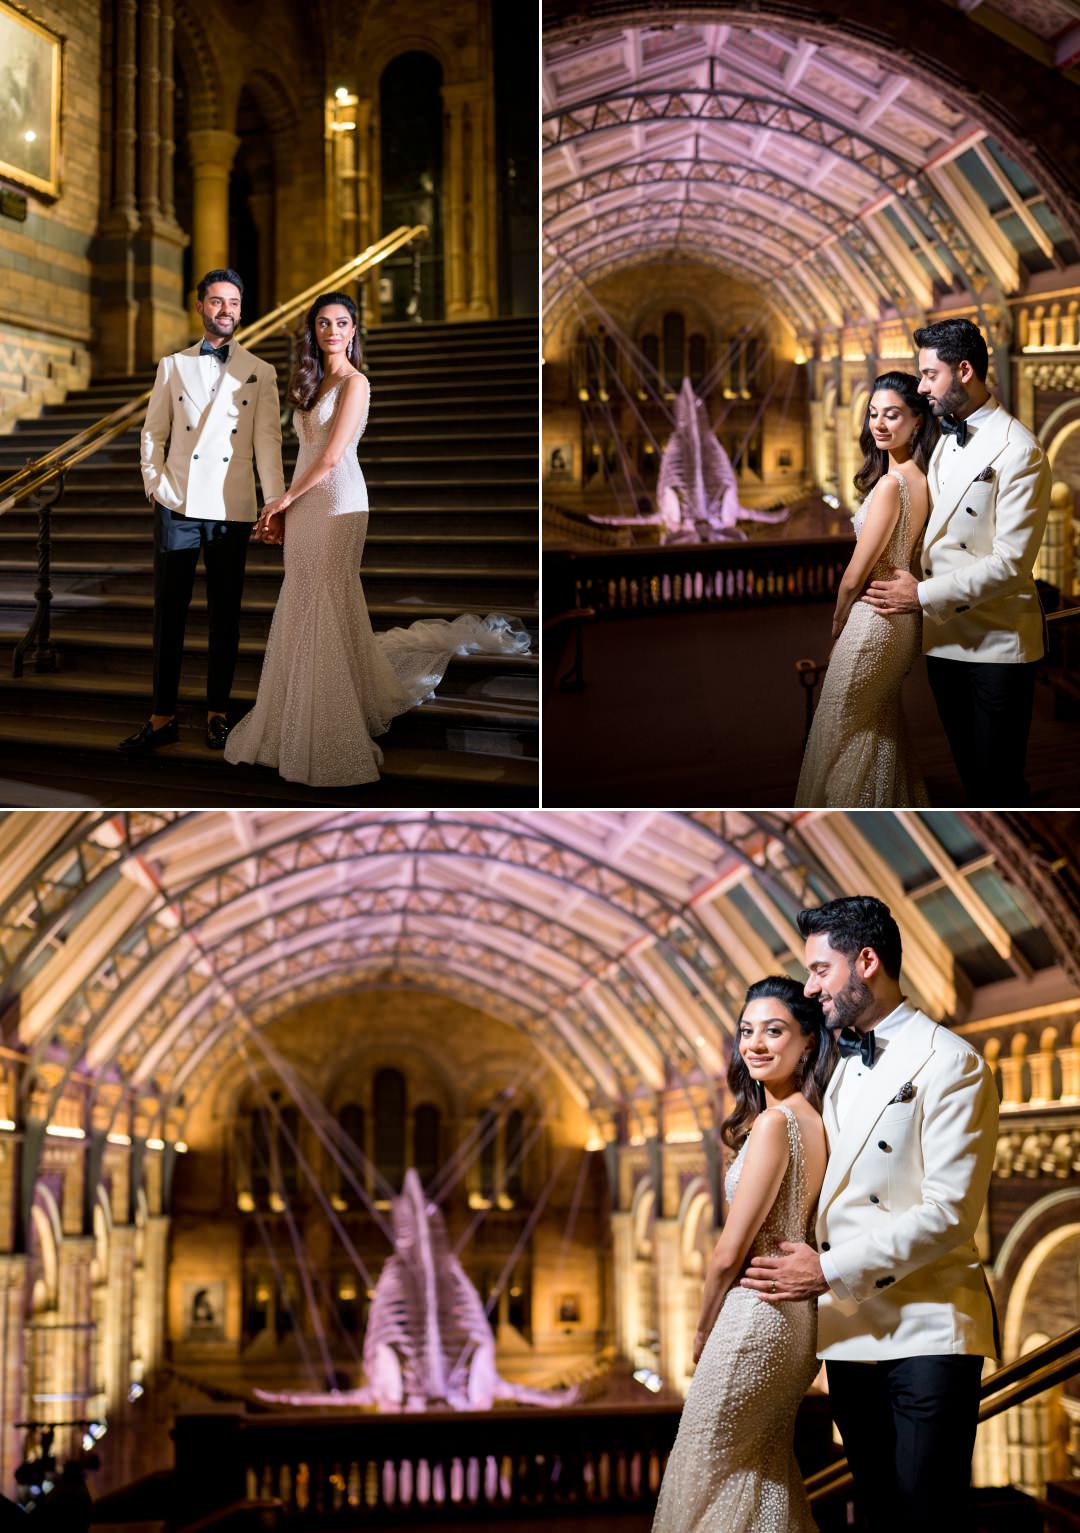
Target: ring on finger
(774, 1285)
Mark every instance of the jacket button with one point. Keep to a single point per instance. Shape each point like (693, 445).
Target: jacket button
(233, 430)
(969, 511)
(926, 574)
(196, 455)
(884, 1282)
(824, 1245)
(224, 460)
(189, 428)
(882, 1145)
(243, 401)
(964, 547)
(874, 1198)
(961, 609)
(181, 396)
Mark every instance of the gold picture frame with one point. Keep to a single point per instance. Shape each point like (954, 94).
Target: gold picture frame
(30, 78)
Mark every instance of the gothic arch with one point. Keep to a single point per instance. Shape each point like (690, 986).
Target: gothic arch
(201, 73)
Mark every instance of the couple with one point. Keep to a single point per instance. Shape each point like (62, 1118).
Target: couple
(947, 537)
(328, 682)
(887, 1159)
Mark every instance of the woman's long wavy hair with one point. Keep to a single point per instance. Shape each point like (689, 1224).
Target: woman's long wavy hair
(309, 372)
(750, 1094)
(923, 440)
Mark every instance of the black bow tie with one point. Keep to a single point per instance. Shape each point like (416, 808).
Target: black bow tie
(853, 1042)
(952, 427)
(221, 352)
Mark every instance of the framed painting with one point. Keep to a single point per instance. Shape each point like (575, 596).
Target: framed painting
(30, 93)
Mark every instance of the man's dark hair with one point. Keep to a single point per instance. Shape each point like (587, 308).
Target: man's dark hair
(855, 922)
(222, 274)
(956, 340)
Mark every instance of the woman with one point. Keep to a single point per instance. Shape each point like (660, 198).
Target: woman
(328, 682)
(732, 1469)
(858, 755)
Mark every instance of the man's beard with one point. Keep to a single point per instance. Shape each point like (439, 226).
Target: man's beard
(849, 1004)
(954, 398)
(215, 327)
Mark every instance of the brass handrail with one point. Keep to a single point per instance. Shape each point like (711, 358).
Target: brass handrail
(1027, 1376)
(83, 444)
(1062, 614)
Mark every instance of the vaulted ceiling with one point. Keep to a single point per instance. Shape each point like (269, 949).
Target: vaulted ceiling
(843, 182)
(137, 950)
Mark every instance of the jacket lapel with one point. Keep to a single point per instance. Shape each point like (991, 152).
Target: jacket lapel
(193, 376)
(903, 1056)
(956, 473)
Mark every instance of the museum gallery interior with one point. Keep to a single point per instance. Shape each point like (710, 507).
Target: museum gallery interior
(761, 203)
(144, 144)
(361, 1169)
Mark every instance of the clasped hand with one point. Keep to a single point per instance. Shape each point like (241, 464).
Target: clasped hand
(270, 528)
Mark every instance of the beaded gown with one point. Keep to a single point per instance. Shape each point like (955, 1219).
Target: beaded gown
(329, 683)
(858, 754)
(733, 1469)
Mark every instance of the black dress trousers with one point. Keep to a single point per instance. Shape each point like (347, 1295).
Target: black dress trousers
(986, 713)
(909, 1432)
(177, 541)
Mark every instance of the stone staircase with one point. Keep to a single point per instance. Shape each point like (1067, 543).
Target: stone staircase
(451, 466)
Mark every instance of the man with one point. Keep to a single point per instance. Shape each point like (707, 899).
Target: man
(213, 404)
(905, 1317)
(983, 625)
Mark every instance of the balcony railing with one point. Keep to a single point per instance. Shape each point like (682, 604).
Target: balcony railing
(623, 582)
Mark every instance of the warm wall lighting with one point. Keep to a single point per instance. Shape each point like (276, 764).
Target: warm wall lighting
(343, 127)
(245, 1202)
(7, 1124)
(155, 1144)
(62, 1131)
(342, 93)
(124, 1139)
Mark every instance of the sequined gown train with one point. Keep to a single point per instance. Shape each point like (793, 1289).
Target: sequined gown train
(328, 682)
(733, 1469)
(858, 754)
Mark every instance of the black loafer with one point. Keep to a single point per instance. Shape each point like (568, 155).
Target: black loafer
(217, 732)
(147, 738)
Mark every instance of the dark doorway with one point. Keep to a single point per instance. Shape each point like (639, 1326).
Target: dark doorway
(410, 118)
(517, 111)
(251, 209)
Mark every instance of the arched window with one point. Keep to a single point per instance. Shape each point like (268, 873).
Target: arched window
(389, 1100)
(426, 1142)
(674, 330)
(411, 143)
(650, 350)
(515, 1144)
(260, 1158)
(487, 1143)
(611, 364)
(288, 1141)
(697, 359)
(352, 1121)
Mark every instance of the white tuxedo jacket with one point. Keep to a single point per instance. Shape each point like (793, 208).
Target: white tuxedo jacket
(210, 437)
(982, 536)
(904, 1188)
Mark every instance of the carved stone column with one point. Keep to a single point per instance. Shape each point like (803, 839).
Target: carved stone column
(454, 97)
(671, 1302)
(482, 158)
(13, 1275)
(212, 154)
(149, 108)
(124, 131)
(117, 1343)
(74, 1334)
(166, 115)
(626, 1296)
(152, 1321)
